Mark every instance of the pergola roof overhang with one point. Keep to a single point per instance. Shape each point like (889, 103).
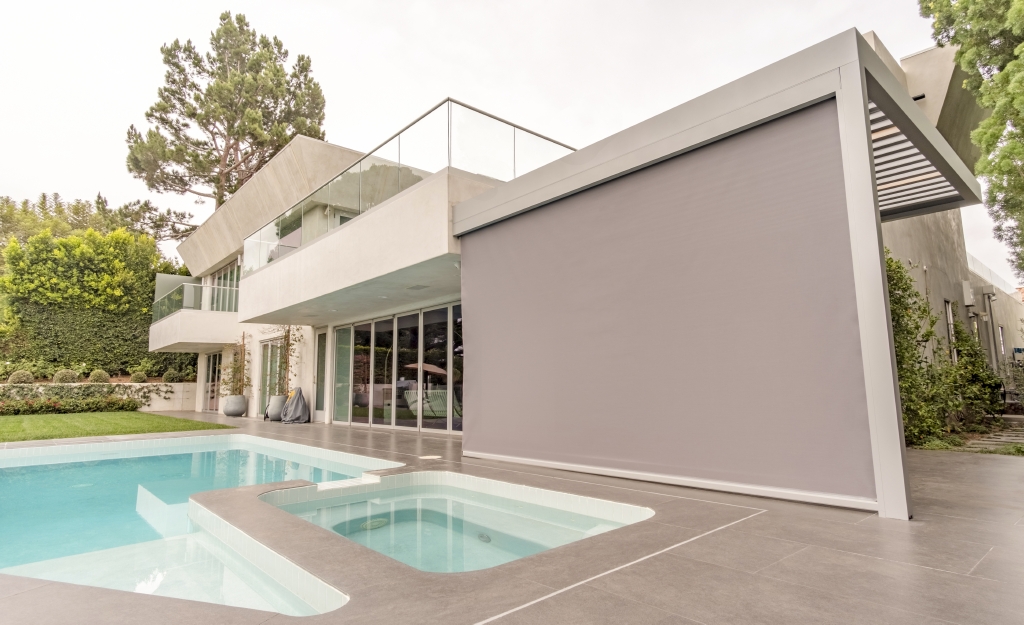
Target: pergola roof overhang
(904, 146)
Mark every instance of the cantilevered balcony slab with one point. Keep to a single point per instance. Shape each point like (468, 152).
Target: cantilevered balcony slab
(399, 254)
(191, 331)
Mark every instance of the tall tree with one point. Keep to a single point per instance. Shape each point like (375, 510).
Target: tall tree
(989, 35)
(21, 220)
(223, 115)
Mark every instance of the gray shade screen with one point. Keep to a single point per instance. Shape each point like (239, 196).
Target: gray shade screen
(695, 318)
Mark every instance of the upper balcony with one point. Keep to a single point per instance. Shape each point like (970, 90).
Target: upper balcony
(381, 229)
(194, 318)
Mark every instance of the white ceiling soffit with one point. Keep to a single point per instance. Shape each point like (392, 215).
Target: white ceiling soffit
(904, 178)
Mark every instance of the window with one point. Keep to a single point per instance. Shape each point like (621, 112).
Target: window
(1002, 345)
(222, 294)
(950, 330)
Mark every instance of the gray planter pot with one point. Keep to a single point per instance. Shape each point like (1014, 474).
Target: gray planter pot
(235, 405)
(275, 406)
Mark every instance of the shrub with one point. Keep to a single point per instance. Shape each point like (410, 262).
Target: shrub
(65, 406)
(65, 376)
(21, 377)
(99, 376)
(138, 377)
(172, 377)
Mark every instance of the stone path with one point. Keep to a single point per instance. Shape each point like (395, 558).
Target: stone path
(1013, 434)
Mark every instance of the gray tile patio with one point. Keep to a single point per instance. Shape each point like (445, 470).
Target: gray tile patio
(961, 560)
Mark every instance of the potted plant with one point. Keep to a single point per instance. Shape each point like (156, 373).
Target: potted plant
(235, 380)
(280, 383)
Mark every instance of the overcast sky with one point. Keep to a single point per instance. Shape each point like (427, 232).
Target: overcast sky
(77, 74)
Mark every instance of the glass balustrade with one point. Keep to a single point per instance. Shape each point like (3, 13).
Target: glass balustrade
(449, 135)
(196, 297)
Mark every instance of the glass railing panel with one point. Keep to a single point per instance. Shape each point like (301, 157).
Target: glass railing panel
(481, 144)
(379, 176)
(315, 215)
(450, 135)
(533, 152)
(343, 197)
(289, 231)
(423, 147)
(196, 297)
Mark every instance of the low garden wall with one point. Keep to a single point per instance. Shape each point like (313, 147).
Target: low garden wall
(86, 397)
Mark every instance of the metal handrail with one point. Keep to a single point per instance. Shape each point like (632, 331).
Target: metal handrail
(410, 125)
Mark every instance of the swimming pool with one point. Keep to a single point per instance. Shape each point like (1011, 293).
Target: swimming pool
(115, 515)
(445, 522)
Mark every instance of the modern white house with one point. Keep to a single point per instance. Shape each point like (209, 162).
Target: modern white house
(699, 299)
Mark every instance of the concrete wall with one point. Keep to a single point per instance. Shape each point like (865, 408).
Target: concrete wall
(994, 308)
(696, 318)
(933, 248)
(367, 265)
(182, 397)
(953, 110)
(303, 371)
(190, 331)
(303, 166)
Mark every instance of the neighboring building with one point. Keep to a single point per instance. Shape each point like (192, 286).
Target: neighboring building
(604, 330)
(955, 283)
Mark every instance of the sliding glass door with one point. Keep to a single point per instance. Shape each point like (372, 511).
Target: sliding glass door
(362, 342)
(270, 364)
(435, 369)
(407, 371)
(342, 374)
(403, 371)
(383, 370)
(211, 388)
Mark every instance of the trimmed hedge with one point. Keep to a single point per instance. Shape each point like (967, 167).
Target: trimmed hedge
(139, 377)
(99, 376)
(64, 335)
(65, 406)
(65, 376)
(21, 377)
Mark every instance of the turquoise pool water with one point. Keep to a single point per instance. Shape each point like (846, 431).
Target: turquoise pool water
(122, 522)
(447, 529)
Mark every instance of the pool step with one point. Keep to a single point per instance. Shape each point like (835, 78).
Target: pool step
(366, 478)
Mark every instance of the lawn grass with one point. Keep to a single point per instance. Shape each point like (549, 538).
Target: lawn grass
(44, 426)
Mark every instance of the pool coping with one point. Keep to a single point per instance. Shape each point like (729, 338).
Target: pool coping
(358, 571)
(381, 589)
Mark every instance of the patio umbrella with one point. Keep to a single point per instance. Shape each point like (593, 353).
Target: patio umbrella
(430, 369)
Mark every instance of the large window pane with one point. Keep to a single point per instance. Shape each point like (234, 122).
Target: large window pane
(458, 369)
(342, 373)
(435, 369)
(408, 357)
(383, 368)
(482, 144)
(361, 374)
